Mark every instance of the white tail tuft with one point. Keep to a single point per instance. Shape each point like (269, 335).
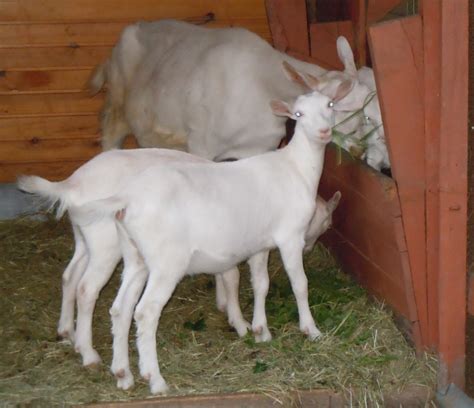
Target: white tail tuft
(52, 192)
(97, 79)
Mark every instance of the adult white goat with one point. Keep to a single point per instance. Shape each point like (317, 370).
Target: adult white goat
(189, 218)
(166, 81)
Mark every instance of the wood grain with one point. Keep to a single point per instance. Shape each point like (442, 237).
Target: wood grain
(12, 82)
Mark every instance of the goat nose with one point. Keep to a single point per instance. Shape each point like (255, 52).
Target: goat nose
(325, 131)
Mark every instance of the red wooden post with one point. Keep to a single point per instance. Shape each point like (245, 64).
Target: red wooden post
(397, 57)
(453, 27)
(432, 72)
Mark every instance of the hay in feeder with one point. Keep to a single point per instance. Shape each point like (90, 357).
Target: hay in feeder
(361, 352)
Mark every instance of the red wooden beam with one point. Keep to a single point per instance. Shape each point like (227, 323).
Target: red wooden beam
(431, 12)
(453, 191)
(397, 56)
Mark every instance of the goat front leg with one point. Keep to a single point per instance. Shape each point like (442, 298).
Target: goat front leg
(260, 283)
(292, 255)
(230, 280)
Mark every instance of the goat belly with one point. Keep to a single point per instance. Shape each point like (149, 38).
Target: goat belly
(205, 262)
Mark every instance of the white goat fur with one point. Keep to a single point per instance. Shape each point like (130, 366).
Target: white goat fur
(167, 80)
(97, 251)
(192, 217)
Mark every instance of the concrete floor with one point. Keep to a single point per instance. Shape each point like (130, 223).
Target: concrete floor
(14, 203)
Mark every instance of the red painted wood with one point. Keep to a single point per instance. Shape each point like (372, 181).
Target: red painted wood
(288, 25)
(377, 9)
(323, 41)
(453, 191)
(397, 53)
(432, 74)
(368, 237)
(359, 19)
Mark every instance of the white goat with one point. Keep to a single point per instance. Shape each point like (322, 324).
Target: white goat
(167, 80)
(189, 218)
(97, 251)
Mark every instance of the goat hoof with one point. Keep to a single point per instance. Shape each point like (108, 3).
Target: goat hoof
(92, 360)
(158, 386)
(262, 334)
(125, 383)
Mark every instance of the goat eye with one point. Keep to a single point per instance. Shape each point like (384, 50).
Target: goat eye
(298, 114)
(330, 104)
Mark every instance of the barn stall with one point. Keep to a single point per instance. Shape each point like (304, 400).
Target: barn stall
(49, 127)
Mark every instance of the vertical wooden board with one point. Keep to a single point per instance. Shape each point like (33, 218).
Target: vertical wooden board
(453, 191)
(396, 49)
(288, 24)
(359, 20)
(432, 74)
(323, 41)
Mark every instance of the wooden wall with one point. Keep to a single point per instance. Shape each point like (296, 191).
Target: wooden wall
(48, 122)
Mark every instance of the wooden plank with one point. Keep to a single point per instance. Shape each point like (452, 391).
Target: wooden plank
(453, 191)
(323, 41)
(99, 33)
(52, 57)
(90, 10)
(44, 81)
(369, 199)
(288, 25)
(396, 49)
(53, 159)
(57, 170)
(80, 102)
(377, 9)
(432, 74)
(359, 20)
(51, 127)
(47, 150)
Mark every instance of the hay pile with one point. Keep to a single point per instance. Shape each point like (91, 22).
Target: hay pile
(361, 350)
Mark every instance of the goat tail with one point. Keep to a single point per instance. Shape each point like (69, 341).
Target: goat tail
(97, 79)
(94, 211)
(52, 192)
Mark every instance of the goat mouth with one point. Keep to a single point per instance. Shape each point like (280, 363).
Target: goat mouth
(325, 137)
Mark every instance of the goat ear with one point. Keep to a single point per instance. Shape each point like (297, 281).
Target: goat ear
(334, 201)
(294, 76)
(280, 108)
(346, 56)
(342, 90)
(307, 81)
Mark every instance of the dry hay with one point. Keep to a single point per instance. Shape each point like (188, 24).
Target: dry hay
(361, 350)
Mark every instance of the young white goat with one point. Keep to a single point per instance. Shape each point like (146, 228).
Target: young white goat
(189, 218)
(97, 251)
